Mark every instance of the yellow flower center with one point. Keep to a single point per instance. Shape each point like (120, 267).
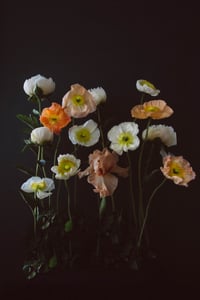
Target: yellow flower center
(65, 166)
(176, 170)
(151, 108)
(125, 139)
(149, 84)
(78, 100)
(83, 135)
(38, 186)
(53, 119)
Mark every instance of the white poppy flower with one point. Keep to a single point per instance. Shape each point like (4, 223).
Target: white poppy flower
(47, 85)
(86, 135)
(123, 137)
(146, 87)
(165, 133)
(42, 187)
(41, 135)
(68, 166)
(99, 95)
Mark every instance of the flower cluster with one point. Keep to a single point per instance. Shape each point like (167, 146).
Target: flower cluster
(68, 144)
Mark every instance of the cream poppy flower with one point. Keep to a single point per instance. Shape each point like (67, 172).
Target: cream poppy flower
(42, 187)
(47, 85)
(102, 167)
(123, 137)
(178, 169)
(78, 102)
(86, 135)
(166, 134)
(99, 95)
(41, 135)
(68, 166)
(155, 109)
(146, 87)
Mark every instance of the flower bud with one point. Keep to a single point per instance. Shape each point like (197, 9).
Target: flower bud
(41, 135)
(47, 85)
(99, 95)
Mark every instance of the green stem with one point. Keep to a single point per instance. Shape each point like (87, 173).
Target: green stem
(141, 209)
(100, 127)
(42, 158)
(113, 204)
(39, 103)
(33, 214)
(131, 191)
(56, 149)
(58, 196)
(38, 159)
(142, 98)
(147, 212)
(69, 215)
(68, 200)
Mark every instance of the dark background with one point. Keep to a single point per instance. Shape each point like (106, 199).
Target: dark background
(109, 44)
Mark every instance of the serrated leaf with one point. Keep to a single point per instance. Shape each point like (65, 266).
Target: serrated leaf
(53, 262)
(68, 226)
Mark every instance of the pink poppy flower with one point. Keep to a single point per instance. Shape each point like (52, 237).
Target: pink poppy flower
(177, 169)
(78, 102)
(100, 172)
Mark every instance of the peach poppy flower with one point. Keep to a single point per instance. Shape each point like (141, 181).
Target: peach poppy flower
(54, 117)
(155, 109)
(78, 102)
(177, 169)
(102, 165)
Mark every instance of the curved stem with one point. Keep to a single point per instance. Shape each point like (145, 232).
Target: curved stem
(147, 212)
(33, 214)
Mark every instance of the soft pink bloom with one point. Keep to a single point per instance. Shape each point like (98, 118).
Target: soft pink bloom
(102, 165)
(78, 102)
(177, 169)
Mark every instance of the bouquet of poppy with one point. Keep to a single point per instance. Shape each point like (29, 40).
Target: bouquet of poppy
(66, 145)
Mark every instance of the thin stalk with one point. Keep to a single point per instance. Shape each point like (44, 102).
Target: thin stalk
(33, 214)
(58, 196)
(39, 103)
(38, 159)
(100, 127)
(42, 158)
(141, 209)
(131, 190)
(147, 212)
(69, 214)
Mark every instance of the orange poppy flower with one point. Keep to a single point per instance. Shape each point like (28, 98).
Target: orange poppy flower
(155, 109)
(177, 169)
(54, 117)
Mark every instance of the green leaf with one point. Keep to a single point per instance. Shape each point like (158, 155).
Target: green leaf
(68, 226)
(53, 262)
(30, 121)
(102, 206)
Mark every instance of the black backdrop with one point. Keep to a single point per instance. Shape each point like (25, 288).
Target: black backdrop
(108, 44)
